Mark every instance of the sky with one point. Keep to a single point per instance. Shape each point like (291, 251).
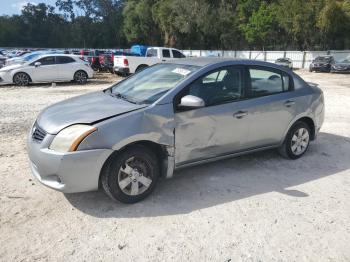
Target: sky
(11, 7)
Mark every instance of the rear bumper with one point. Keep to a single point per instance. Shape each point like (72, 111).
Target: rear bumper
(66, 172)
(122, 70)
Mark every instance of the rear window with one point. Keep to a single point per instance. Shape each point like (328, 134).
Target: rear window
(152, 53)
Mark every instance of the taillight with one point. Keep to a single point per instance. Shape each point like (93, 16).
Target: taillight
(126, 62)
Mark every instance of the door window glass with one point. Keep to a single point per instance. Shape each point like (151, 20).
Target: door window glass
(64, 60)
(177, 54)
(267, 82)
(166, 53)
(221, 86)
(50, 60)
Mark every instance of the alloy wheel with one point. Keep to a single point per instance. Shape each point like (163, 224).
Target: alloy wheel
(21, 79)
(300, 141)
(134, 176)
(80, 77)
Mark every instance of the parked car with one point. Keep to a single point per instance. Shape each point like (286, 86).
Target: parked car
(322, 64)
(92, 56)
(341, 67)
(29, 56)
(124, 65)
(170, 116)
(286, 62)
(47, 68)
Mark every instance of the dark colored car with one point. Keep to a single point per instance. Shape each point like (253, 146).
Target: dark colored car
(341, 67)
(322, 64)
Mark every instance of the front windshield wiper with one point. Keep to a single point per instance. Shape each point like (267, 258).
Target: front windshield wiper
(121, 96)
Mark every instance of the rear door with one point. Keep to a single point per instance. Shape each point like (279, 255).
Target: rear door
(271, 105)
(166, 54)
(47, 71)
(66, 67)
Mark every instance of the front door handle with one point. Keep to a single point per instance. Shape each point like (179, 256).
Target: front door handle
(289, 103)
(240, 114)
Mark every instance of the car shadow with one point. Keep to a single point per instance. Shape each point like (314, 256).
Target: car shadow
(225, 181)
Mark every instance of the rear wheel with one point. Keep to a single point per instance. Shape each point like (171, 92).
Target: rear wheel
(140, 68)
(296, 142)
(80, 77)
(21, 79)
(130, 176)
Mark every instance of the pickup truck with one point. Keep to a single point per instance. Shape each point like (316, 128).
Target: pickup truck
(124, 65)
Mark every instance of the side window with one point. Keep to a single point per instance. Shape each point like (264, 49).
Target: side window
(64, 60)
(152, 52)
(266, 82)
(177, 54)
(220, 86)
(50, 60)
(166, 53)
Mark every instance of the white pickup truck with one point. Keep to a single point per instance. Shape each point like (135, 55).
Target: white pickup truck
(124, 65)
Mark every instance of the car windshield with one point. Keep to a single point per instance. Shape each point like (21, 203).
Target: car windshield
(345, 61)
(30, 56)
(323, 59)
(150, 84)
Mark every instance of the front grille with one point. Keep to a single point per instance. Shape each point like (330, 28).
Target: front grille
(38, 134)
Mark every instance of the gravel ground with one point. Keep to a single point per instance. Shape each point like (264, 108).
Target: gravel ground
(259, 207)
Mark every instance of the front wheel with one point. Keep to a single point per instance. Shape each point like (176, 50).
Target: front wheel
(80, 77)
(296, 142)
(21, 79)
(130, 176)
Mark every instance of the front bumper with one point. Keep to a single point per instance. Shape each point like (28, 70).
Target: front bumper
(70, 172)
(5, 78)
(321, 68)
(340, 70)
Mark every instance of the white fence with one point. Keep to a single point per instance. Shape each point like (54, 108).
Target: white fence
(300, 59)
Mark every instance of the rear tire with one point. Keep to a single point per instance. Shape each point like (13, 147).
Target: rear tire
(21, 79)
(296, 142)
(131, 175)
(140, 68)
(81, 77)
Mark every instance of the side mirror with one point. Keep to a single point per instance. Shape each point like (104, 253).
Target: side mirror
(191, 102)
(36, 64)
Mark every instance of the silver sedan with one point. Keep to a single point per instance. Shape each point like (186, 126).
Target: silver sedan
(171, 116)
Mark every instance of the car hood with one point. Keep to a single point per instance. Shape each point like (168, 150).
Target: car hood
(342, 64)
(85, 109)
(10, 67)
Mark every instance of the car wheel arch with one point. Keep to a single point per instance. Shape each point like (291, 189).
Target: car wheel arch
(160, 150)
(307, 120)
(22, 72)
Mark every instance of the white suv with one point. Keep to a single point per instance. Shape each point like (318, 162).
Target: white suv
(47, 68)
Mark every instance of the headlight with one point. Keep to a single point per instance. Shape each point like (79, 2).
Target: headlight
(68, 139)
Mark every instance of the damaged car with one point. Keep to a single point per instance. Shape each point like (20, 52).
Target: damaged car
(170, 116)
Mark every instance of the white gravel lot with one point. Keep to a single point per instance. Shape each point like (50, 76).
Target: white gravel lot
(259, 207)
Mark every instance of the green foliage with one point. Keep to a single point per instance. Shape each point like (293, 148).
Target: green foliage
(195, 24)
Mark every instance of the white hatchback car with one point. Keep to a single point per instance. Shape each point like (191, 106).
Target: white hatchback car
(47, 68)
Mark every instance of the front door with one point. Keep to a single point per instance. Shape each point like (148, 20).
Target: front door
(48, 70)
(220, 126)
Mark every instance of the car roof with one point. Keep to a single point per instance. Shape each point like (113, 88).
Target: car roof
(206, 61)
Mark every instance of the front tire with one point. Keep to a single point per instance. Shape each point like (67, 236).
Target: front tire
(21, 79)
(296, 142)
(80, 77)
(131, 175)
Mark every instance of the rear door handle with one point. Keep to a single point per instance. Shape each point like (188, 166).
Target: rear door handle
(289, 103)
(240, 114)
